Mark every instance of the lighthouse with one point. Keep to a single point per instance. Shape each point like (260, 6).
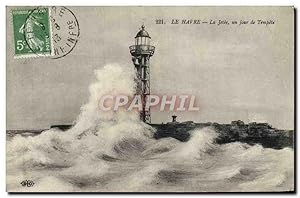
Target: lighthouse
(141, 53)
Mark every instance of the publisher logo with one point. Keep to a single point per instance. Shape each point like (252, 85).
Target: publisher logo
(27, 183)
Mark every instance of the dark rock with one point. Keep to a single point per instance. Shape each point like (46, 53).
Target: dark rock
(252, 133)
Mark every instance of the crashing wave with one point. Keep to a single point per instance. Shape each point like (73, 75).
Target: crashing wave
(114, 151)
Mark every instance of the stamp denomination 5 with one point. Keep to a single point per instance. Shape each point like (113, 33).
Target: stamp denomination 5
(32, 32)
(44, 32)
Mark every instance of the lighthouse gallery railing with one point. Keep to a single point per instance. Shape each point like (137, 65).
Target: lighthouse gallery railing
(142, 49)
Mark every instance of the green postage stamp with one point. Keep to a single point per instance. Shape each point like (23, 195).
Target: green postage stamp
(32, 32)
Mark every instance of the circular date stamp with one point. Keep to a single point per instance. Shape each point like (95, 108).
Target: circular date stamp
(45, 31)
(65, 31)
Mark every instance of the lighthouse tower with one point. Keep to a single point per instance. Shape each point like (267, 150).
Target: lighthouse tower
(141, 53)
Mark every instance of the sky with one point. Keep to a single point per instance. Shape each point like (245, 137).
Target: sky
(236, 72)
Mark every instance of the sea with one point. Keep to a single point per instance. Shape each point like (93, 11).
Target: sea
(116, 152)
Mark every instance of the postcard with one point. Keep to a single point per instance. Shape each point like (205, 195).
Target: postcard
(141, 99)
